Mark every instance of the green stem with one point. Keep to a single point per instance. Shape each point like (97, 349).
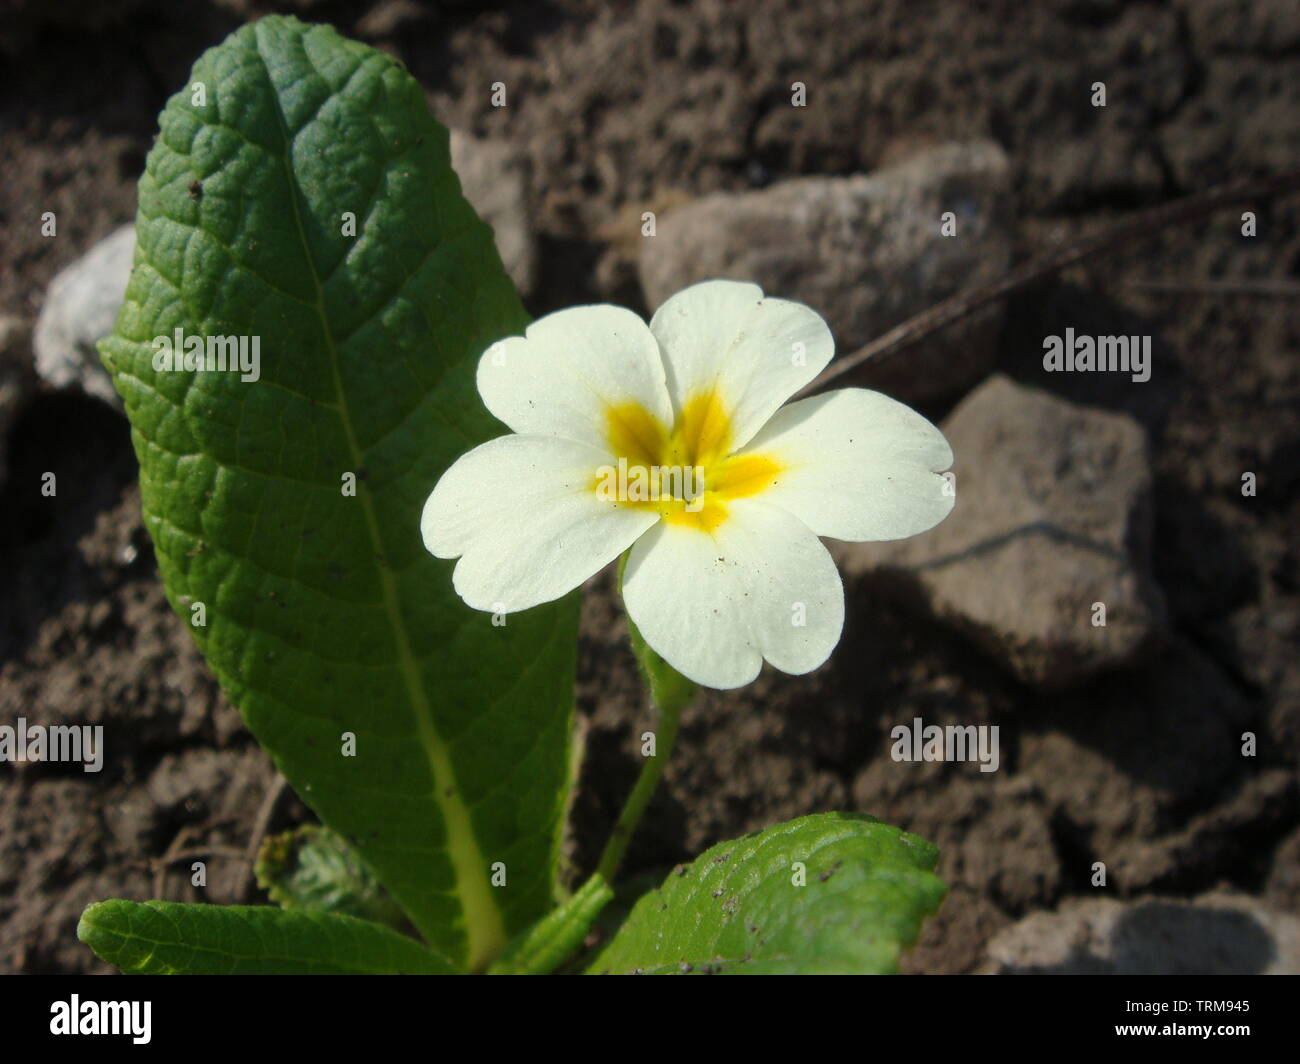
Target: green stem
(671, 693)
(556, 937)
(646, 782)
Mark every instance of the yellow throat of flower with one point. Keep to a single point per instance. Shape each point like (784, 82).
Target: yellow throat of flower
(689, 474)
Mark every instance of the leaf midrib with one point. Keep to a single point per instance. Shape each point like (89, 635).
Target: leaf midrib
(484, 925)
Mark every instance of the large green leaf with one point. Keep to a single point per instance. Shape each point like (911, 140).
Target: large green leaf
(324, 613)
(739, 908)
(167, 938)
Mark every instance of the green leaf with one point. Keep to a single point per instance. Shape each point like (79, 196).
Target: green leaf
(167, 938)
(556, 937)
(313, 867)
(738, 909)
(325, 616)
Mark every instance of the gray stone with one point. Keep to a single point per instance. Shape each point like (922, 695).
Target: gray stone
(865, 252)
(494, 177)
(1216, 934)
(80, 309)
(1052, 517)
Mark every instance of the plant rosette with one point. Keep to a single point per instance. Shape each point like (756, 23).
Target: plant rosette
(295, 533)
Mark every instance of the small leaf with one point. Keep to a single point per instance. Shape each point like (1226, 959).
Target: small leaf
(167, 938)
(313, 867)
(739, 908)
(557, 936)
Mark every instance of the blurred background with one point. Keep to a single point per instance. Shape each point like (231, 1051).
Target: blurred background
(813, 147)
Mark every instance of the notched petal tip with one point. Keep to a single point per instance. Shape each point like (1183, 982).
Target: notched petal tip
(569, 367)
(715, 605)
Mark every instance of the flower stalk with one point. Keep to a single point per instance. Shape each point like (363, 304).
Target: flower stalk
(671, 693)
(553, 940)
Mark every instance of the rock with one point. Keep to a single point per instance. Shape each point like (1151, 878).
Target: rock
(1052, 517)
(1282, 888)
(1216, 934)
(865, 252)
(80, 309)
(494, 177)
(16, 377)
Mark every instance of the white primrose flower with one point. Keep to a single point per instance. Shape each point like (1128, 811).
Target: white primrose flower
(673, 440)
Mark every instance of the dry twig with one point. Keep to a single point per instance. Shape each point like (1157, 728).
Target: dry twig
(260, 827)
(1140, 226)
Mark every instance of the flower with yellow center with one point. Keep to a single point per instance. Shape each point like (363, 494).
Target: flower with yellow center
(673, 441)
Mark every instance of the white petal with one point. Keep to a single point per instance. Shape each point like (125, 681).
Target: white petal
(857, 465)
(714, 605)
(523, 516)
(569, 368)
(754, 351)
